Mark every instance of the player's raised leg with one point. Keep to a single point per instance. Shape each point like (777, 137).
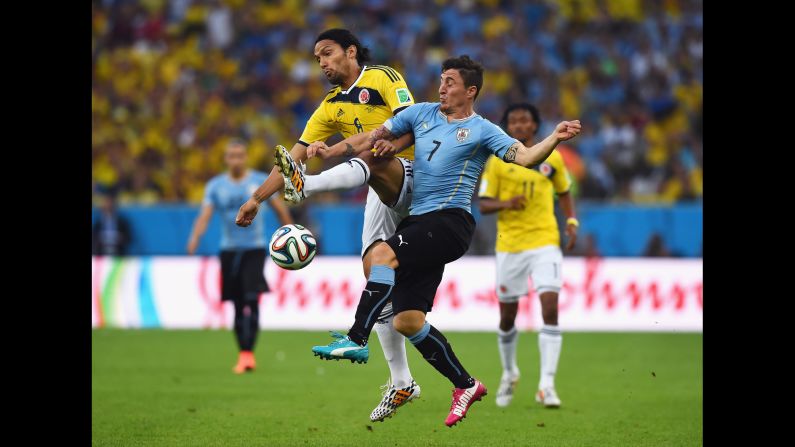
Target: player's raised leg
(372, 302)
(385, 175)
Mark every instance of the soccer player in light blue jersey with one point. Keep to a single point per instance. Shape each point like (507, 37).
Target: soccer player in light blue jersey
(243, 250)
(452, 144)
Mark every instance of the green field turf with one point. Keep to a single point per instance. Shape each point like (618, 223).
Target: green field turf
(158, 388)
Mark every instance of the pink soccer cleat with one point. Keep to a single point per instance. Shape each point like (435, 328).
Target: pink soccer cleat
(463, 398)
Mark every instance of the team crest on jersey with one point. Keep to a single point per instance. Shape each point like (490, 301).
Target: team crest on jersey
(545, 169)
(462, 134)
(364, 96)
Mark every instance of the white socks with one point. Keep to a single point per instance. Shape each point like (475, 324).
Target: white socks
(394, 346)
(549, 342)
(507, 342)
(350, 174)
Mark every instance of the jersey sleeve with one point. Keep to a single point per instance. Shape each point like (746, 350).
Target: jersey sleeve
(561, 179)
(404, 122)
(395, 92)
(496, 140)
(490, 181)
(211, 193)
(319, 127)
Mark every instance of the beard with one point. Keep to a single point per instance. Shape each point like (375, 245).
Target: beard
(335, 78)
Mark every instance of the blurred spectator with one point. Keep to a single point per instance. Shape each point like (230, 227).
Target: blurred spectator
(591, 247)
(111, 231)
(171, 79)
(656, 248)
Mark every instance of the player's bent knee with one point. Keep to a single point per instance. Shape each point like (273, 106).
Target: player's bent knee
(367, 258)
(549, 306)
(506, 324)
(367, 157)
(382, 254)
(409, 323)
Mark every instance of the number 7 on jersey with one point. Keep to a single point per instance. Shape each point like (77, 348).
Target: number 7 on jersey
(438, 143)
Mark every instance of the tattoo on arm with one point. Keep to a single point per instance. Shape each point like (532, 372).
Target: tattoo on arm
(348, 150)
(382, 133)
(510, 155)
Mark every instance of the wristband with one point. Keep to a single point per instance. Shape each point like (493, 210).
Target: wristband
(573, 221)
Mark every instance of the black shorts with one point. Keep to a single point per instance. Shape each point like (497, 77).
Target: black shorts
(242, 274)
(423, 245)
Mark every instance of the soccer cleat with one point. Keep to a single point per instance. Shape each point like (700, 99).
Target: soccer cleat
(506, 390)
(245, 362)
(293, 174)
(548, 397)
(393, 399)
(463, 398)
(343, 348)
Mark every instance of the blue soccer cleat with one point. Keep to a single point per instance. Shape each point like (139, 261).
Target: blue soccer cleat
(342, 348)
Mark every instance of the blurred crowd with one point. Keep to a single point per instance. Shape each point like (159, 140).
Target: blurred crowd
(174, 80)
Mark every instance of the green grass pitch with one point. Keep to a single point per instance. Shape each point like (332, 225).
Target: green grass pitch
(164, 388)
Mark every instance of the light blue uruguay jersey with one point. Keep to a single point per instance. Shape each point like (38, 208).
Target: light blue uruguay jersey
(226, 196)
(448, 157)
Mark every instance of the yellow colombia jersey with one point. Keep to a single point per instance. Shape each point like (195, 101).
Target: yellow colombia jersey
(535, 226)
(372, 99)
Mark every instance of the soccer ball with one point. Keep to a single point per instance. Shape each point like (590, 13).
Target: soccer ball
(293, 247)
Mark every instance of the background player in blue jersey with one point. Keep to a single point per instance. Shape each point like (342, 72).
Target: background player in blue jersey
(243, 250)
(452, 143)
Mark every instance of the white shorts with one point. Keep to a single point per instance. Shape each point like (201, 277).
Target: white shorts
(542, 264)
(381, 220)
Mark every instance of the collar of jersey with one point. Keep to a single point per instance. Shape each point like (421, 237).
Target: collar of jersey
(345, 92)
(242, 179)
(456, 120)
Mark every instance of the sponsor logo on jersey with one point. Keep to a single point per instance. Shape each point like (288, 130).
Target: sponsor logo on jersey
(364, 96)
(462, 134)
(340, 112)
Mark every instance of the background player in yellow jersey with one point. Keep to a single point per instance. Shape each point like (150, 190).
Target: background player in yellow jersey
(362, 99)
(528, 243)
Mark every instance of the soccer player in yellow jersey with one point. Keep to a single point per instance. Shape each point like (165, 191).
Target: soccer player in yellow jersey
(363, 97)
(528, 243)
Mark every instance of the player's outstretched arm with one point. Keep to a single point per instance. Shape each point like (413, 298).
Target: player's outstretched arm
(274, 183)
(346, 148)
(537, 153)
(488, 205)
(359, 142)
(386, 148)
(572, 224)
(199, 228)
